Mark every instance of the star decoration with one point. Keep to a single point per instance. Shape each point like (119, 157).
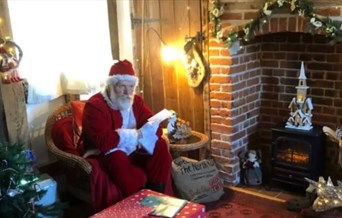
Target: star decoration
(328, 195)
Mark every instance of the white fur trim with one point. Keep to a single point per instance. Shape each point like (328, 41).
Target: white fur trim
(115, 78)
(111, 104)
(128, 119)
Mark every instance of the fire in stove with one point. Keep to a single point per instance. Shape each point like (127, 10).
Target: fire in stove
(293, 157)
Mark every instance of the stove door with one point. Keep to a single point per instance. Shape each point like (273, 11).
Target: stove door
(292, 152)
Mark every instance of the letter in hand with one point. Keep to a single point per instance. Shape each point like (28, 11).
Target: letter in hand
(149, 128)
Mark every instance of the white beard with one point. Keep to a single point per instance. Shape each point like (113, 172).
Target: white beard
(123, 102)
(116, 102)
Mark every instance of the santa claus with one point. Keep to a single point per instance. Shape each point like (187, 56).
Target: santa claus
(115, 122)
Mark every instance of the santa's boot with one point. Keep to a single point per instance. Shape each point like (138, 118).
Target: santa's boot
(158, 187)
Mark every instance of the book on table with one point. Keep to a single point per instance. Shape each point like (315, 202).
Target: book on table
(164, 206)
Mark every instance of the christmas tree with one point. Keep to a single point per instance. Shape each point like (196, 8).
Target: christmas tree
(19, 188)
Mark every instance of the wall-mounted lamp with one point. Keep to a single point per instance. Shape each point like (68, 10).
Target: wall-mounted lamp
(197, 39)
(168, 53)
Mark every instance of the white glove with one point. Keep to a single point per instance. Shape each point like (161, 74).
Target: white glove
(148, 136)
(128, 140)
(148, 129)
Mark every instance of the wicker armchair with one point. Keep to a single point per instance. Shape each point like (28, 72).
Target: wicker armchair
(75, 167)
(85, 178)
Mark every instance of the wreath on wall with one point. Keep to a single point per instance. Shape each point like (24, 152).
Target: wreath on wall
(243, 33)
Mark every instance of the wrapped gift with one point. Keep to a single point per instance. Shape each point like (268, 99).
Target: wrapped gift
(46, 182)
(132, 207)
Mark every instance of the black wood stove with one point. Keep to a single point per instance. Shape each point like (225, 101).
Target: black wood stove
(296, 154)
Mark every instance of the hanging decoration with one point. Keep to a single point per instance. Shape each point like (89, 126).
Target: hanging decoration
(10, 57)
(244, 33)
(195, 68)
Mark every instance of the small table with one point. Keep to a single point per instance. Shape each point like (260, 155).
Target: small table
(196, 141)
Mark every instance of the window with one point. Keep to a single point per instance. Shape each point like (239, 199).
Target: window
(66, 45)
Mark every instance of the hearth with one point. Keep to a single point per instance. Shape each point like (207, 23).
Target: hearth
(296, 154)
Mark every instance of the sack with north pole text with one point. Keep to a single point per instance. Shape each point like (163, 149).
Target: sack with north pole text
(197, 181)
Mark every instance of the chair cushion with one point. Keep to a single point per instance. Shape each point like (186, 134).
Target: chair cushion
(62, 135)
(77, 108)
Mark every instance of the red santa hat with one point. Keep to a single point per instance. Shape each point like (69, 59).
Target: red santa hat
(122, 70)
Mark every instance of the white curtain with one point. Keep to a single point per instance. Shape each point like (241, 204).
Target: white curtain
(66, 45)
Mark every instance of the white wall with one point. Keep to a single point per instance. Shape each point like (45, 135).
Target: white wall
(37, 115)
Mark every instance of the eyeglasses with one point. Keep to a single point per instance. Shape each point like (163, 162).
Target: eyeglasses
(125, 87)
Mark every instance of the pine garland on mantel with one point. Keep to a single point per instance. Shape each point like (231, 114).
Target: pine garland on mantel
(232, 36)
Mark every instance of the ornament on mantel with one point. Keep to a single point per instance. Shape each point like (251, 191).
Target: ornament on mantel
(300, 106)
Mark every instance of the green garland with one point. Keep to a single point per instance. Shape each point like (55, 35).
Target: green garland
(244, 33)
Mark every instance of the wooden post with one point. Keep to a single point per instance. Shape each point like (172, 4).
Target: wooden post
(13, 116)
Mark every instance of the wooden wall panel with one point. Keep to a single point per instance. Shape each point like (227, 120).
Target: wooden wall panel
(113, 29)
(195, 20)
(168, 34)
(182, 88)
(164, 84)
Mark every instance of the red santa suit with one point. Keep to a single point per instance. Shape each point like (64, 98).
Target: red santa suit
(114, 131)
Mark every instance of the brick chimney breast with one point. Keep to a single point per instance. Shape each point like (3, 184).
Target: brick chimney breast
(250, 91)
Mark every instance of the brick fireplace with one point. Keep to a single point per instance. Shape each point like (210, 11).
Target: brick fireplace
(250, 91)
